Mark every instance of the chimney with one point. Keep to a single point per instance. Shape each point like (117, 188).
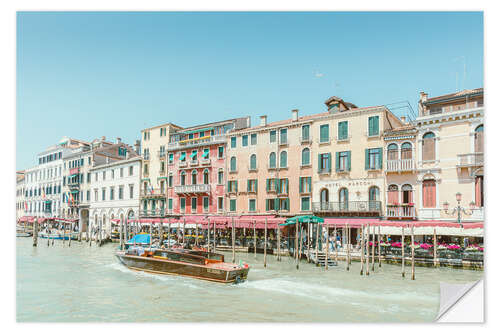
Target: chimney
(423, 96)
(263, 120)
(103, 138)
(295, 115)
(137, 147)
(118, 140)
(403, 119)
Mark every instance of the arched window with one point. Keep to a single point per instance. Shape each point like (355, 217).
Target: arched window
(429, 193)
(343, 198)
(193, 177)
(183, 178)
(374, 198)
(429, 147)
(205, 176)
(272, 160)
(406, 151)
(392, 152)
(407, 193)
(478, 139)
(283, 158)
(233, 163)
(306, 154)
(324, 199)
(393, 195)
(253, 162)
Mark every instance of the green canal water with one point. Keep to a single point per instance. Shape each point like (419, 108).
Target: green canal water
(88, 284)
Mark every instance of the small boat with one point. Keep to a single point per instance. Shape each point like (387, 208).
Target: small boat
(23, 234)
(191, 263)
(58, 235)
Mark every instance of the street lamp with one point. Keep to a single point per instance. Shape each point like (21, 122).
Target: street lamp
(459, 210)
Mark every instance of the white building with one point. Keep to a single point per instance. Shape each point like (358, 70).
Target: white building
(114, 192)
(43, 182)
(20, 195)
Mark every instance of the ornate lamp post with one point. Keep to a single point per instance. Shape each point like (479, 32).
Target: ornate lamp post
(459, 210)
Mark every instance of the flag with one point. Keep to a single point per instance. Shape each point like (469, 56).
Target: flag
(152, 190)
(43, 193)
(25, 207)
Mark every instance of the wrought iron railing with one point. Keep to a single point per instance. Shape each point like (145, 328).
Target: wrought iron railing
(348, 206)
(472, 159)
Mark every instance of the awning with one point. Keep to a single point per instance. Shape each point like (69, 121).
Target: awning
(183, 156)
(303, 219)
(205, 153)
(161, 178)
(198, 130)
(74, 191)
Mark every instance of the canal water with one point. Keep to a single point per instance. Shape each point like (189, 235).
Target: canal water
(88, 284)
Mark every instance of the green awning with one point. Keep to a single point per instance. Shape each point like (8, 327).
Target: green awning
(303, 219)
(183, 156)
(199, 130)
(161, 178)
(193, 154)
(205, 153)
(75, 191)
(145, 180)
(48, 201)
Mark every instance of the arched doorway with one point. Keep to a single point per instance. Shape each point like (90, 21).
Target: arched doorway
(324, 199)
(343, 198)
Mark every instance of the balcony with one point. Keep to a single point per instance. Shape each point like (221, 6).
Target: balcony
(182, 164)
(349, 208)
(194, 163)
(325, 142)
(324, 171)
(74, 171)
(373, 135)
(470, 160)
(205, 161)
(405, 165)
(155, 193)
(400, 212)
(283, 142)
(203, 141)
(162, 154)
(152, 212)
(344, 139)
(305, 140)
(192, 189)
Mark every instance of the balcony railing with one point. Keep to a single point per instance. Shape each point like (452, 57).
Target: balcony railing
(305, 140)
(197, 142)
(182, 164)
(400, 165)
(205, 161)
(155, 192)
(348, 207)
(194, 163)
(152, 212)
(470, 160)
(198, 188)
(162, 154)
(400, 211)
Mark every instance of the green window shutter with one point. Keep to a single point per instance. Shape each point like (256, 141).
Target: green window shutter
(367, 159)
(228, 186)
(248, 184)
(309, 184)
(319, 162)
(277, 184)
(287, 185)
(370, 126)
(267, 205)
(375, 125)
(337, 161)
(380, 156)
(324, 133)
(329, 162)
(276, 204)
(236, 186)
(300, 185)
(287, 204)
(349, 160)
(268, 185)
(256, 183)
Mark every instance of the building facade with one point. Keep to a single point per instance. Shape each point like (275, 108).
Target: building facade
(20, 195)
(114, 194)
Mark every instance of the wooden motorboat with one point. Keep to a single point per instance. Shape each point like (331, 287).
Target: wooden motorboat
(197, 264)
(59, 235)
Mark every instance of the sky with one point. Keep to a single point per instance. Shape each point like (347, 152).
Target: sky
(90, 74)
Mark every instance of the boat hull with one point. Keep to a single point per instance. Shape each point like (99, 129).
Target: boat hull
(204, 272)
(60, 237)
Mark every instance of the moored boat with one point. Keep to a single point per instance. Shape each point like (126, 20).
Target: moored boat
(58, 235)
(197, 264)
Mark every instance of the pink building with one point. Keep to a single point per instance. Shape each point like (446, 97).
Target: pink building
(196, 164)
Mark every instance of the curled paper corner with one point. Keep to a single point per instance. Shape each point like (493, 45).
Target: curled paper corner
(451, 294)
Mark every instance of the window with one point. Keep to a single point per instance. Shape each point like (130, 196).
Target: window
(373, 198)
(220, 152)
(429, 147)
(146, 171)
(343, 161)
(89, 160)
(373, 126)
(121, 172)
(272, 136)
(183, 178)
(373, 159)
(305, 185)
(393, 195)
(194, 155)
(205, 176)
(220, 203)
(103, 194)
(283, 186)
(283, 159)
(96, 195)
(343, 198)
(479, 139)
(232, 205)
(233, 164)
(130, 170)
(306, 156)
(305, 133)
(233, 142)
(170, 180)
(343, 132)
(131, 191)
(232, 186)
(205, 204)
(407, 193)
(120, 193)
(206, 154)
(104, 175)
(406, 151)
(112, 174)
(193, 177)
(252, 185)
(284, 204)
(162, 186)
(111, 193)
(253, 162)
(324, 133)
(170, 158)
(170, 204)
(429, 193)
(392, 152)
(194, 204)
(251, 205)
(182, 202)
(272, 204)
(220, 177)
(305, 203)
(324, 163)
(162, 166)
(283, 136)
(272, 160)
(244, 140)
(253, 139)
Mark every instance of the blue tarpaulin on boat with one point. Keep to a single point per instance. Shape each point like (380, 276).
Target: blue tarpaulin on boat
(139, 239)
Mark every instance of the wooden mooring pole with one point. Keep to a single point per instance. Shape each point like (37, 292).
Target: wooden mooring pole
(70, 234)
(254, 241)
(348, 246)
(327, 246)
(412, 254)
(184, 231)
(403, 251)
(232, 239)
(208, 236)
(367, 266)
(215, 234)
(379, 262)
(308, 242)
(335, 244)
(373, 249)
(362, 248)
(121, 235)
(317, 243)
(35, 232)
(265, 243)
(168, 235)
(297, 244)
(64, 234)
(434, 248)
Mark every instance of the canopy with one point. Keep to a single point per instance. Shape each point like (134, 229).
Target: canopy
(140, 239)
(303, 219)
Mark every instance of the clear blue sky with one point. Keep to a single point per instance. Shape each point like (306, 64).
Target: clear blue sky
(86, 75)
